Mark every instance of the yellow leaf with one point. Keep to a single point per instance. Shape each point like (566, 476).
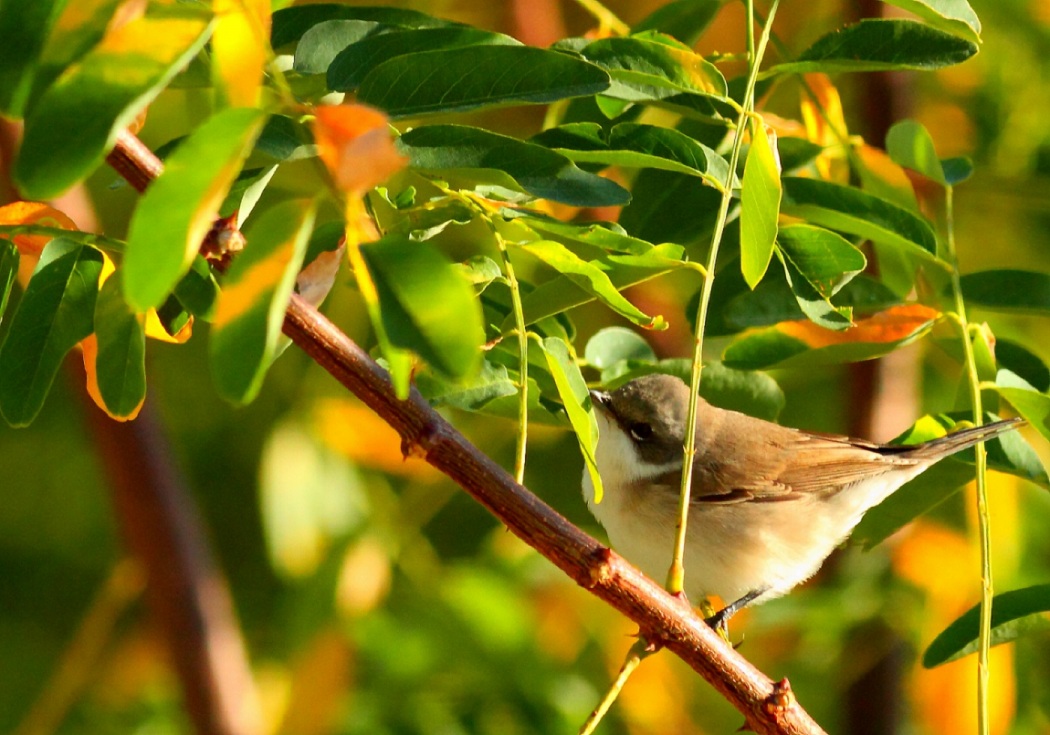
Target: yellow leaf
(155, 330)
(237, 298)
(355, 144)
(239, 48)
(89, 351)
(826, 126)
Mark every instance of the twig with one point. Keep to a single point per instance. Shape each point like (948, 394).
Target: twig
(769, 707)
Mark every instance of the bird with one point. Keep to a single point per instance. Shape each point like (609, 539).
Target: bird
(768, 504)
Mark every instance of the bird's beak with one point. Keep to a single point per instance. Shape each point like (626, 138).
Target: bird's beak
(600, 400)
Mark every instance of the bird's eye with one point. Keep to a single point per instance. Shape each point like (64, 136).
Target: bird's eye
(640, 431)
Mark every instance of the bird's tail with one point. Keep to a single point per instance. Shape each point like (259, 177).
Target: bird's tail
(959, 440)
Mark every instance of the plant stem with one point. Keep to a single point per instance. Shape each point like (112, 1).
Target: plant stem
(523, 356)
(981, 462)
(635, 654)
(606, 18)
(676, 574)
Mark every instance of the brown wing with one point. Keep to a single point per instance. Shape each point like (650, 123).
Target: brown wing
(744, 460)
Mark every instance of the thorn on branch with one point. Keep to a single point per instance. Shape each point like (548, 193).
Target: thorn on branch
(781, 697)
(600, 572)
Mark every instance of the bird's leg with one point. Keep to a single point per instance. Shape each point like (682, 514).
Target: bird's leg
(720, 620)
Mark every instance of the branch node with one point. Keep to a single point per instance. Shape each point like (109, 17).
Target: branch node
(781, 697)
(600, 572)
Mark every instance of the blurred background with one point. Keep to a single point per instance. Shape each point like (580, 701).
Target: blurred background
(376, 597)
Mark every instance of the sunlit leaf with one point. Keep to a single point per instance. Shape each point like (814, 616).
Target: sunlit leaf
(1014, 614)
(818, 263)
(572, 389)
(1021, 361)
(563, 293)
(651, 66)
(467, 78)
(426, 303)
(239, 49)
(607, 236)
(759, 206)
(120, 363)
(882, 177)
(910, 145)
(954, 16)
(77, 119)
(850, 210)
(54, 313)
(592, 279)
(803, 343)
(30, 246)
(353, 63)
(875, 44)
(1030, 403)
(1009, 290)
(178, 209)
(539, 171)
(254, 298)
(825, 123)
(355, 144)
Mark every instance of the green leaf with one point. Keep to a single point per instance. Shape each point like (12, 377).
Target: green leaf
(198, 291)
(121, 362)
(563, 293)
(1014, 614)
(572, 389)
(470, 394)
(254, 298)
(1019, 360)
(289, 24)
(78, 118)
(828, 261)
(652, 66)
(592, 279)
(632, 145)
(321, 43)
(55, 313)
(1030, 403)
(613, 345)
(539, 171)
(24, 29)
(957, 169)
(954, 16)
(686, 20)
(350, 67)
(8, 272)
(759, 206)
(459, 79)
(426, 303)
(284, 139)
(879, 45)
(910, 145)
(670, 207)
(607, 236)
(1008, 290)
(176, 212)
(850, 210)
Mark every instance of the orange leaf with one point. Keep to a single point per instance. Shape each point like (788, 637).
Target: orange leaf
(892, 325)
(355, 144)
(29, 246)
(239, 44)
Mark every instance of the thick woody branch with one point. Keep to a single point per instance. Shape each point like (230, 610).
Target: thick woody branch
(769, 707)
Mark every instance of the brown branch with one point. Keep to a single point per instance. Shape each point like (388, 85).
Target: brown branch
(769, 707)
(185, 589)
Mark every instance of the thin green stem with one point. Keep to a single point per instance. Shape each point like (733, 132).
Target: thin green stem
(606, 18)
(981, 462)
(635, 655)
(523, 356)
(107, 244)
(676, 574)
